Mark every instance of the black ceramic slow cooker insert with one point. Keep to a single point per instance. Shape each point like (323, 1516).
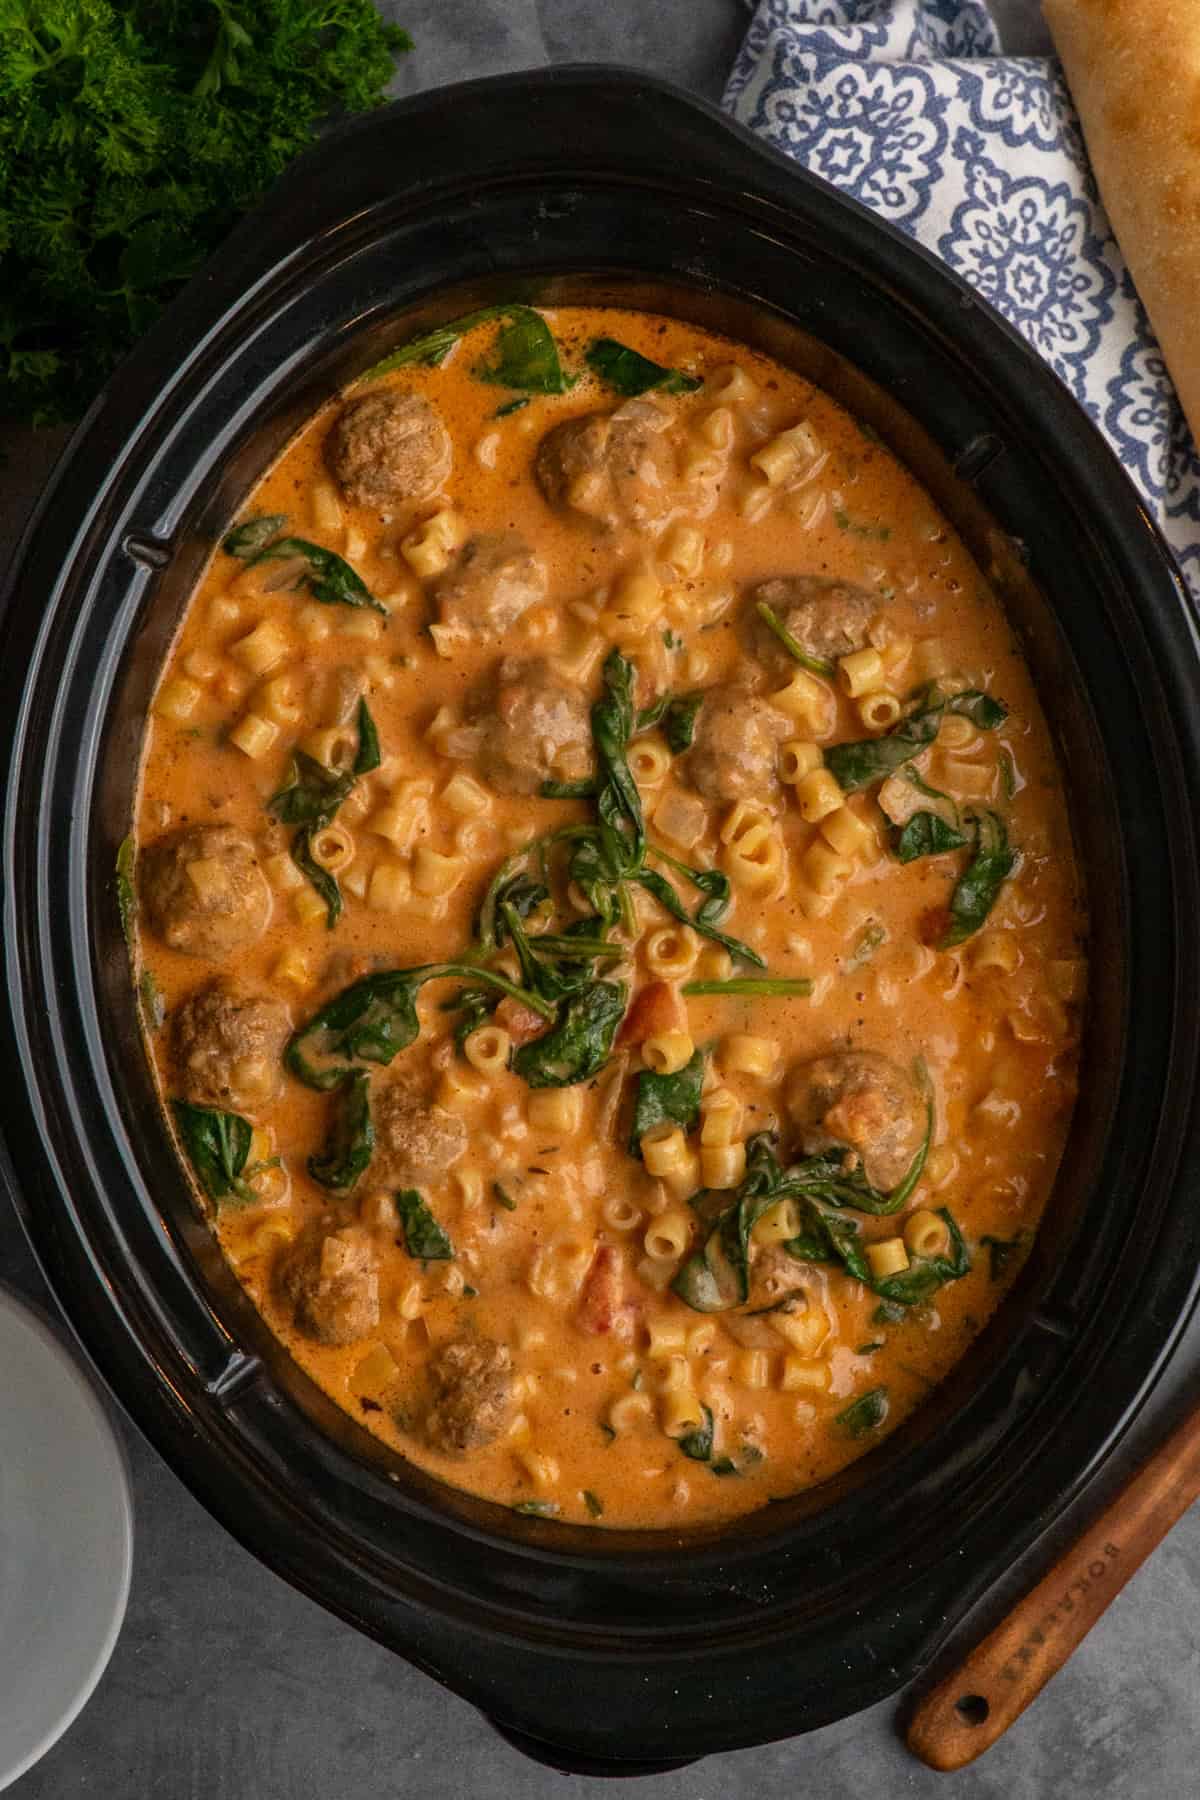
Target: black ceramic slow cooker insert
(579, 184)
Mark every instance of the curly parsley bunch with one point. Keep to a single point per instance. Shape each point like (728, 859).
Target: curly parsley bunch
(132, 135)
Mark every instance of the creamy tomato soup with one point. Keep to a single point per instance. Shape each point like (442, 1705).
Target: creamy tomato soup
(607, 924)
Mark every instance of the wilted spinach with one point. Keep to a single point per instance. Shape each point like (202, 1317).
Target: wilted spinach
(927, 834)
(716, 1277)
(351, 1139)
(579, 1044)
(859, 765)
(525, 356)
(631, 373)
(328, 576)
(978, 887)
(311, 800)
(867, 1413)
(127, 889)
(217, 1145)
(252, 535)
(424, 1238)
(667, 1100)
(373, 1019)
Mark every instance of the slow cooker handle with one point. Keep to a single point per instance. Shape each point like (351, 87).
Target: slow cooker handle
(965, 1714)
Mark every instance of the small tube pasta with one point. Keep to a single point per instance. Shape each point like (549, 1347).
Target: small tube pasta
(668, 1236)
(798, 759)
(817, 795)
(861, 672)
(723, 1165)
(488, 1049)
(925, 1234)
(261, 649)
(555, 1109)
(664, 1150)
(668, 1052)
(880, 710)
(743, 1053)
(888, 1257)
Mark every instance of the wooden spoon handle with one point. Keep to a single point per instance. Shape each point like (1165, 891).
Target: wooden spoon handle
(964, 1715)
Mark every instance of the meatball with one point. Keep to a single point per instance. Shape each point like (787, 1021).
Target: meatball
(228, 1048)
(388, 449)
(330, 1282)
(415, 1141)
(861, 1101)
(496, 578)
(616, 468)
(828, 619)
(203, 890)
(470, 1381)
(733, 754)
(532, 729)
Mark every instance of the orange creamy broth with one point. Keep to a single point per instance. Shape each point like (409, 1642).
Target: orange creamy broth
(999, 1045)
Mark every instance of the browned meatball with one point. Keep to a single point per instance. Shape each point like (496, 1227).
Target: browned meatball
(330, 1282)
(228, 1048)
(828, 619)
(415, 1141)
(203, 890)
(470, 1382)
(532, 729)
(735, 749)
(389, 449)
(861, 1101)
(496, 578)
(616, 468)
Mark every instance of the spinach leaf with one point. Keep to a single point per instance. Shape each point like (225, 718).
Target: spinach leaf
(631, 373)
(1001, 1252)
(702, 919)
(593, 1503)
(860, 764)
(537, 1509)
(816, 665)
(978, 887)
(716, 1276)
(474, 1006)
(127, 889)
(319, 876)
(351, 1140)
(313, 792)
(433, 347)
(311, 800)
(511, 406)
(698, 1444)
(667, 1099)
(865, 1414)
(424, 1238)
(525, 356)
(374, 1018)
(679, 721)
(918, 1283)
(928, 834)
(580, 1042)
(252, 535)
(217, 1145)
(328, 577)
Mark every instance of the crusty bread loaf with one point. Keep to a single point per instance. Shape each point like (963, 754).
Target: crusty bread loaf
(1133, 67)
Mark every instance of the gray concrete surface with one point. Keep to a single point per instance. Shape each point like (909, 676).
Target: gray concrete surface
(226, 1685)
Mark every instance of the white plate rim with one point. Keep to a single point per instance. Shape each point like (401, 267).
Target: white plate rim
(66, 1368)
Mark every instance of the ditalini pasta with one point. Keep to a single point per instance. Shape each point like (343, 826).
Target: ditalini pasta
(610, 943)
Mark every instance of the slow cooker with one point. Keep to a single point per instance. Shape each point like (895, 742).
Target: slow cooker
(596, 1649)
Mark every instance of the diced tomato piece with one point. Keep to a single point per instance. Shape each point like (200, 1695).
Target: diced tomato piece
(603, 1305)
(657, 1008)
(521, 1022)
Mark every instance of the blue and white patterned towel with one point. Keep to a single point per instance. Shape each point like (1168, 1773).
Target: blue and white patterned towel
(910, 106)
